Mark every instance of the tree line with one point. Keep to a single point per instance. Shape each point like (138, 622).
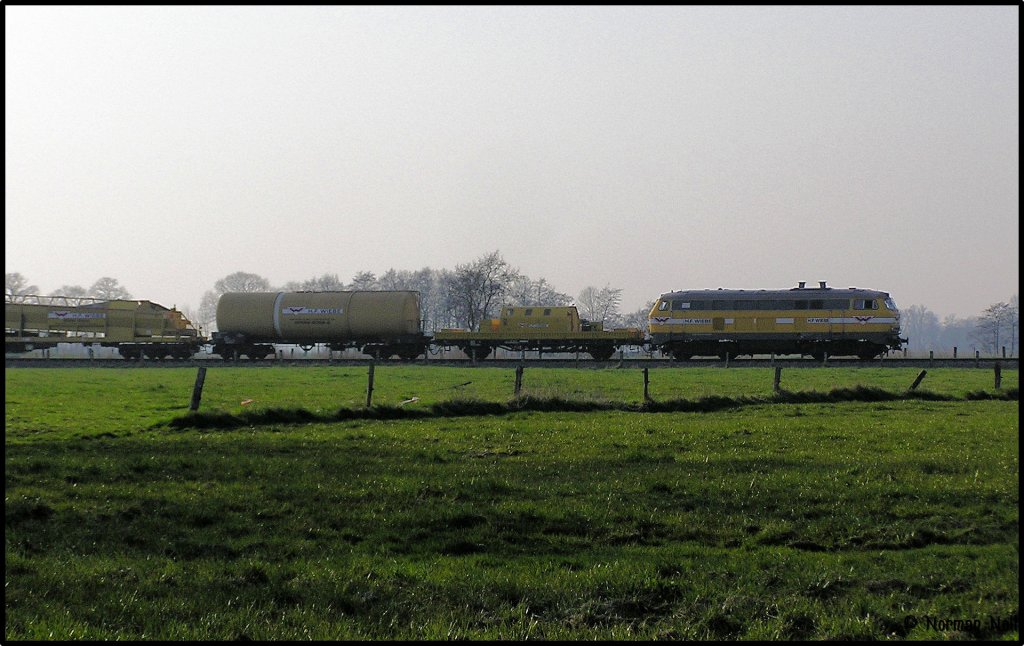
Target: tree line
(475, 291)
(996, 328)
(17, 289)
(462, 297)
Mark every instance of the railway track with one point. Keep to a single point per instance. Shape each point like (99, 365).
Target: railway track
(1011, 363)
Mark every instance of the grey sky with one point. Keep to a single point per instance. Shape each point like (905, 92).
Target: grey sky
(650, 148)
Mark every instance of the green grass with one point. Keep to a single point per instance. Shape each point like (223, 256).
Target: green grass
(77, 402)
(809, 520)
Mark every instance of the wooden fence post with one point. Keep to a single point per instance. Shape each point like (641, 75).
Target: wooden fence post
(778, 379)
(999, 375)
(369, 387)
(977, 358)
(647, 396)
(519, 380)
(197, 390)
(917, 382)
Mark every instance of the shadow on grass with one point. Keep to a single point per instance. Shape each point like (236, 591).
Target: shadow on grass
(471, 408)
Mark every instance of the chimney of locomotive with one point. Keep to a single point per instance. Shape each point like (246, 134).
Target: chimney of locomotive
(801, 285)
(821, 284)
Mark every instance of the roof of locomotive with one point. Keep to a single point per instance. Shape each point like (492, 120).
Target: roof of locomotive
(760, 294)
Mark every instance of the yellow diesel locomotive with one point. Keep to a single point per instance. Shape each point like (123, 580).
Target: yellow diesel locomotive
(816, 321)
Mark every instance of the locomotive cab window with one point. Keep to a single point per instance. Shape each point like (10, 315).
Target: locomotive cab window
(547, 312)
(663, 306)
(529, 313)
(864, 304)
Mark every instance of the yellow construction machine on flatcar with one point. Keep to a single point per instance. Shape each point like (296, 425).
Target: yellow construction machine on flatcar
(541, 328)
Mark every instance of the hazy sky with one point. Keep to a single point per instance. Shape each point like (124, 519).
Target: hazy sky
(650, 148)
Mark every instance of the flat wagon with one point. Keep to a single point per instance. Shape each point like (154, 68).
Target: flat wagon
(135, 327)
(542, 328)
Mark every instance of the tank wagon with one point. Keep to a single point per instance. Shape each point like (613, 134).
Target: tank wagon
(802, 320)
(135, 328)
(542, 328)
(379, 323)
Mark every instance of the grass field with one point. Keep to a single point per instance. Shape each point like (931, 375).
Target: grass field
(769, 518)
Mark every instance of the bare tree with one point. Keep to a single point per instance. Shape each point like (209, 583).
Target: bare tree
(600, 304)
(324, 283)
(206, 315)
(17, 288)
(921, 327)
(995, 323)
(363, 281)
(1014, 324)
(640, 318)
(108, 289)
(70, 291)
(477, 288)
(241, 281)
(527, 292)
(396, 280)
